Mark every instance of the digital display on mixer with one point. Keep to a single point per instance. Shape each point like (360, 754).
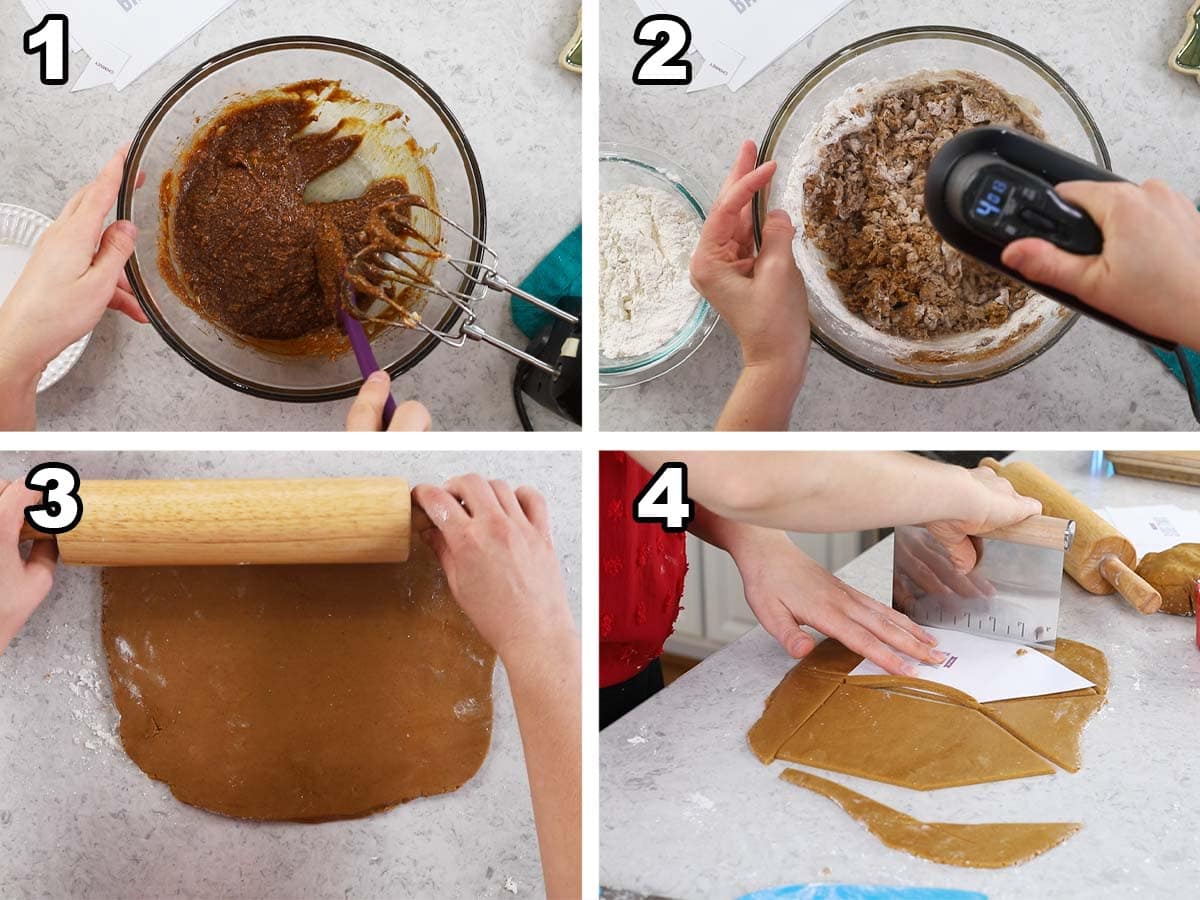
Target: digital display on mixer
(991, 199)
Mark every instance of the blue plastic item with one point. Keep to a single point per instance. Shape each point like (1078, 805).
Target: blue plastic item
(860, 892)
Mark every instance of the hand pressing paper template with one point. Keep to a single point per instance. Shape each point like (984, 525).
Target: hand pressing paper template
(989, 846)
(298, 693)
(820, 716)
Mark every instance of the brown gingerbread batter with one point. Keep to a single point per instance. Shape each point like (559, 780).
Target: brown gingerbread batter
(865, 209)
(301, 693)
(240, 241)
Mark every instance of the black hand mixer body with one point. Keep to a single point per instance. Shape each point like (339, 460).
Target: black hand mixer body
(991, 186)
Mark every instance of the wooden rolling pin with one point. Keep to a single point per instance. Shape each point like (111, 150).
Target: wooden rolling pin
(1100, 559)
(229, 522)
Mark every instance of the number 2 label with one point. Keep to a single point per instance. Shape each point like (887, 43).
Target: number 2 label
(664, 500)
(48, 39)
(61, 507)
(671, 39)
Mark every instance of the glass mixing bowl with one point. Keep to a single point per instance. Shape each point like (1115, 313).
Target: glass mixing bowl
(960, 359)
(168, 131)
(622, 165)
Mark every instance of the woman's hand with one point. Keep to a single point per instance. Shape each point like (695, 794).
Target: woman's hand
(1149, 269)
(763, 298)
(787, 589)
(494, 545)
(993, 502)
(366, 413)
(74, 275)
(24, 583)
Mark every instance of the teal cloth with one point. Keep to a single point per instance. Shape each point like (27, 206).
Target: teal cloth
(1171, 361)
(556, 277)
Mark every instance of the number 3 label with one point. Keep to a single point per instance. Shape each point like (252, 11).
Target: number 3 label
(672, 40)
(61, 507)
(664, 501)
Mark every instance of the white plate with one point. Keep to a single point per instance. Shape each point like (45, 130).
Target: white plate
(20, 229)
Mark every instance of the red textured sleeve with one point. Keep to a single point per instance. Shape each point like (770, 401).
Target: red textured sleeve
(642, 570)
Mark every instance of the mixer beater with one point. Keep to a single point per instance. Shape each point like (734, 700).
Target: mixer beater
(396, 267)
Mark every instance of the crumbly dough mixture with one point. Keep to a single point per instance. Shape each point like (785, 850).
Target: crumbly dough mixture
(646, 295)
(864, 209)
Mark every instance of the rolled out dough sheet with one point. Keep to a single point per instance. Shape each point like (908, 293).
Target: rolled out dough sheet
(919, 735)
(990, 846)
(302, 693)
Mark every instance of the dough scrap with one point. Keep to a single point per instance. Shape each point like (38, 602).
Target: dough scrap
(1173, 574)
(991, 846)
(298, 693)
(820, 716)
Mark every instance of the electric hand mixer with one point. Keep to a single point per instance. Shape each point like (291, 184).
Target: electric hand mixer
(396, 268)
(991, 186)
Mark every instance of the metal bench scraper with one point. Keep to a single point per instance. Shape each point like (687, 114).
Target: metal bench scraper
(1012, 594)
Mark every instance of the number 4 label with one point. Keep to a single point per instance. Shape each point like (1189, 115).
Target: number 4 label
(61, 507)
(671, 39)
(664, 500)
(49, 40)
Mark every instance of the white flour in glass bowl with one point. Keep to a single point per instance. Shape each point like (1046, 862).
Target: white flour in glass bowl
(646, 296)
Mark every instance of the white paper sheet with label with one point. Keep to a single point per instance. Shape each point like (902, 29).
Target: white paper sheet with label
(1153, 529)
(740, 38)
(990, 670)
(124, 38)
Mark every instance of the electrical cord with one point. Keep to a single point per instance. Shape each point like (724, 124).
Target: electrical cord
(1189, 379)
(518, 387)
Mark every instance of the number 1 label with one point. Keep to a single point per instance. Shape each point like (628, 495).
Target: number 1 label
(48, 39)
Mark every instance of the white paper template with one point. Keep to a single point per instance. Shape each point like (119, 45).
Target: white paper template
(740, 38)
(124, 38)
(1153, 529)
(990, 670)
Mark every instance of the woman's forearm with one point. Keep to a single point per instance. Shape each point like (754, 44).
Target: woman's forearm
(729, 535)
(546, 693)
(824, 492)
(18, 396)
(763, 399)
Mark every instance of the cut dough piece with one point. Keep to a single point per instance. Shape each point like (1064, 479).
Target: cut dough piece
(303, 693)
(855, 725)
(1053, 726)
(790, 705)
(992, 846)
(922, 744)
(1173, 574)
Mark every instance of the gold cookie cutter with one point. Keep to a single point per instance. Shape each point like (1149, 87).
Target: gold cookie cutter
(571, 57)
(1186, 58)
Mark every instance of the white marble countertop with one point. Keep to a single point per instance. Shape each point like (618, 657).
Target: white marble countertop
(686, 810)
(524, 127)
(1112, 53)
(79, 819)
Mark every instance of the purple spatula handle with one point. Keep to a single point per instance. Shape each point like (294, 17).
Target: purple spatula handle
(366, 357)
